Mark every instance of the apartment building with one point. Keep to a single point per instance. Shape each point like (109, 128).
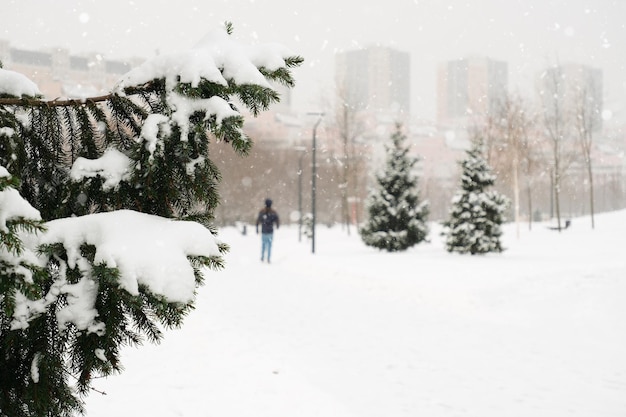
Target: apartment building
(375, 79)
(571, 88)
(469, 89)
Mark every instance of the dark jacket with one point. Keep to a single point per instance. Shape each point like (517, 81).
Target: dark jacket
(266, 218)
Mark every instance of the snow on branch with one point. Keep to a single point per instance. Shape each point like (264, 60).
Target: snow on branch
(15, 84)
(131, 242)
(217, 58)
(128, 241)
(12, 205)
(113, 166)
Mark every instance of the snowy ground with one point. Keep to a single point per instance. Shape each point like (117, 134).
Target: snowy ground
(352, 332)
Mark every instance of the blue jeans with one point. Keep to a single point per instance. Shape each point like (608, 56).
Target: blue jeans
(266, 245)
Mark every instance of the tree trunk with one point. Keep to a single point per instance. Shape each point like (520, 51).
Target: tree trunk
(591, 204)
(530, 208)
(516, 190)
(557, 192)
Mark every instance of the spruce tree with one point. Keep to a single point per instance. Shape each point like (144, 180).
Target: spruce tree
(476, 214)
(140, 153)
(396, 216)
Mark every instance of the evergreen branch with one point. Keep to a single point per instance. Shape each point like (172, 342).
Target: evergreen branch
(34, 102)
(174, 179)
(294, 61)
(73, 102)
(68, 117)
(78, 379)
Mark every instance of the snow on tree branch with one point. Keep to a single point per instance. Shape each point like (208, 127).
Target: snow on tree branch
(111, 231)
(113, 166)
(133, 242)
(217, 58)
(12, 205)
(15, 84)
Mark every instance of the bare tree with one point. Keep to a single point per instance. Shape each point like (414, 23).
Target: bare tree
(349, 128)
(516, 126)
(556, 130)
(586, 117)
(530, 160)
(510, 147)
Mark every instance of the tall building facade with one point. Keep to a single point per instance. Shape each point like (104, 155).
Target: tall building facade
(569, 89)
(376, 79)
(469, 88)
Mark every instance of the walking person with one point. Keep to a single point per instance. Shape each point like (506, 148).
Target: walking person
(267, 218)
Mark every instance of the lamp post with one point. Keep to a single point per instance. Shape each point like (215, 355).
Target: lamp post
(313, 178)
(302, 151)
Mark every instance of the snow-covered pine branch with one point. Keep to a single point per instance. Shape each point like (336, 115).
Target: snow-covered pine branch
(107, 233)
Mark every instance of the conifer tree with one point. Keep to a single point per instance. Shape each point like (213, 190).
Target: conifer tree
(68, 304)
(396, 216)
(476, 214)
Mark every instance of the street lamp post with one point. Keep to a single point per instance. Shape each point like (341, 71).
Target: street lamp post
(302, 151)
(313, 178)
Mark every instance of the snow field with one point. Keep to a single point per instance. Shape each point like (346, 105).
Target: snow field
(351, 331)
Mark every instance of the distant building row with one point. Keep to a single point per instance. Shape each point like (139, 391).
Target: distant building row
(61, 74)
(374, 79)
(379, 79)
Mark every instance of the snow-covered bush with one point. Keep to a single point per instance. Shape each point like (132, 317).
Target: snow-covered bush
(106, 207)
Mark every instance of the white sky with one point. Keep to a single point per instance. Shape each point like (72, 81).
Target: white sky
(528, 34)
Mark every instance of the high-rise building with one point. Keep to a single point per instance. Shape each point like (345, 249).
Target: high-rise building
(469, 88)
(376, 79)
(569, 89)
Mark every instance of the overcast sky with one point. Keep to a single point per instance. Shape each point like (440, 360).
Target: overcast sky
(528, 34)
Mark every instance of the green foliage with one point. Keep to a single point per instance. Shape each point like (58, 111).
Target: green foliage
(476, 214)
(48, 366)
(397, 217)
